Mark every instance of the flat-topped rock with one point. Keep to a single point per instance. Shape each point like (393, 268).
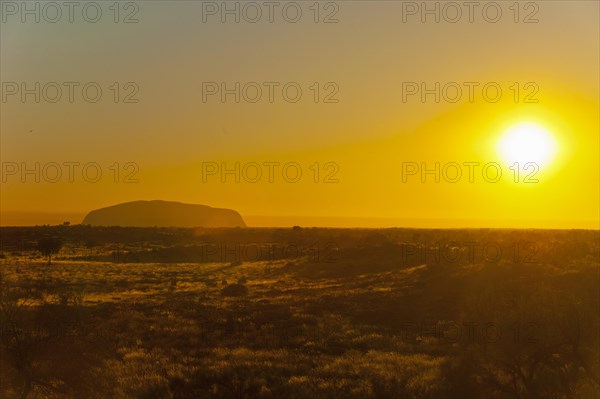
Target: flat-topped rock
(163, 214)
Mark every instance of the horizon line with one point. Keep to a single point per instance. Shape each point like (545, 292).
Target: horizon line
(48, 218)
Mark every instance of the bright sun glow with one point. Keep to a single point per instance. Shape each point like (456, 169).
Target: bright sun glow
(527, 142)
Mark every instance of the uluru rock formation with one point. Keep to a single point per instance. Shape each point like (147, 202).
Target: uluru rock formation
(163, 214)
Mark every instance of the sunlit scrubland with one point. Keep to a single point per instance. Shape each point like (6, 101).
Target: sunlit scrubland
(320, 313)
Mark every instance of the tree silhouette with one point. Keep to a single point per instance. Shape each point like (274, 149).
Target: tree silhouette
(48, 246)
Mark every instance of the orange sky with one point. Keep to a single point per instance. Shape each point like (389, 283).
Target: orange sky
(361, 141)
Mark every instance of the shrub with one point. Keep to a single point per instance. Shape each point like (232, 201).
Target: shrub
(235, 290)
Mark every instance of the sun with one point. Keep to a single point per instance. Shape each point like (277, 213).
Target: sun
(527, 142)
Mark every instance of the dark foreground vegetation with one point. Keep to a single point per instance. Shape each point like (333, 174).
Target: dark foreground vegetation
(298, 313)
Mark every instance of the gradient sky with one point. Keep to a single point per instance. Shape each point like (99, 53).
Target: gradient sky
(368, 134)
